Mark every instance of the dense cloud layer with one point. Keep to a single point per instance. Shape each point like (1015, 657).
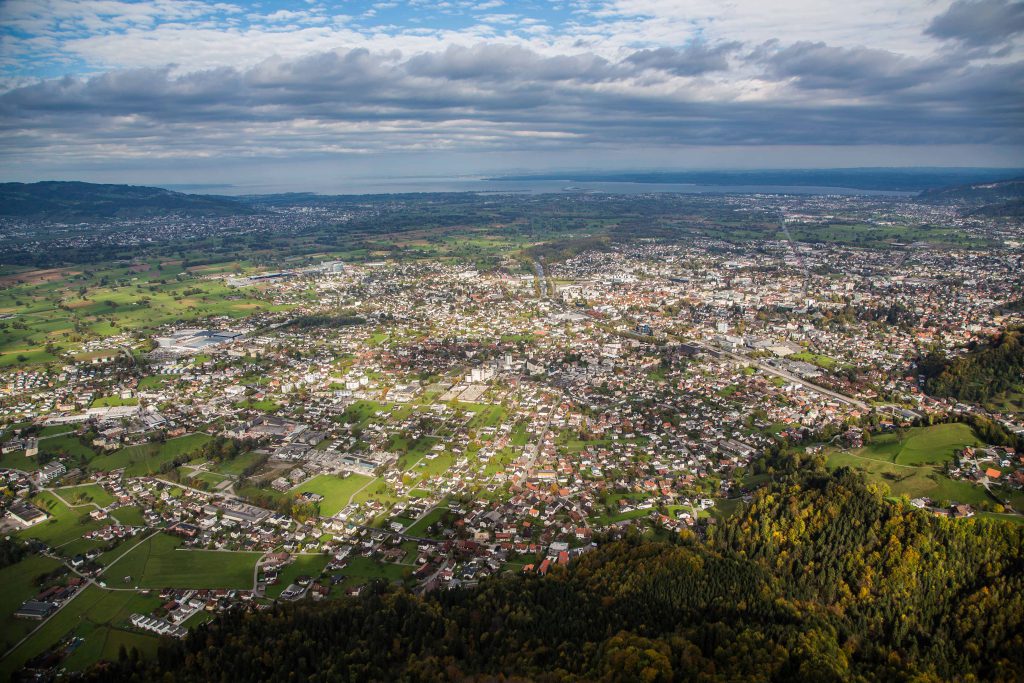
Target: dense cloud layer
(484, 93)
(980, 22)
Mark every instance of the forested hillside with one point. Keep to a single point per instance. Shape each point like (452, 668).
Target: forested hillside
(981, 373)
(74, 201)
(821, 581)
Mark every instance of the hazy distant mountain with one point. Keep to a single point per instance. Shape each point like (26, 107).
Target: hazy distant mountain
(55, 200)
(997, 198)
(891, 179)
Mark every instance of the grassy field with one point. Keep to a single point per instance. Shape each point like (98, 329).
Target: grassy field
(19, 584)
(51, 308)
(935, 444)
(147, 459)
(236, 466)
(308, 565)
(97, 616)
(335, 490)
(66, 445)
(86, 493)
(155, 382)
(914, 481)
(130, 515)
(114, 401)
(822, 361)
(420, 528)
(363, 569)
(17, 460)
(411, 452)
(158, 563)
(64, 525)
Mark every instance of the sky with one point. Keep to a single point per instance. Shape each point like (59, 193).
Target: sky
(181, 91)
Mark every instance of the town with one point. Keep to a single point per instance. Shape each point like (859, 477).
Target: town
(298, 429)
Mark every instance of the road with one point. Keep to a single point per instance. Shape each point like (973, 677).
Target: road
(785, 375)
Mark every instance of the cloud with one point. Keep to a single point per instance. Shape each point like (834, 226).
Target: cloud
(979, 22)
(180, 79)
(696, 58)
(496, 97)
(862, 70)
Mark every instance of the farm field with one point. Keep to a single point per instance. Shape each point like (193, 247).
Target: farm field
(54, 315)
(19, 584)
(158, 563)
(335, 490)
(911, 466)
(97, 616)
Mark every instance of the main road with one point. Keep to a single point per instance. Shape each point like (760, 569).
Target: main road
(849, 400)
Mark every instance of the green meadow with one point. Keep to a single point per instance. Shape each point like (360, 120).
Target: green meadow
(159, 562)
(336, 490)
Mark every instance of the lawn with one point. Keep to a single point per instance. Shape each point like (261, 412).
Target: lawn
(19, 582)
(86, 493)
(308, 565)
(64, 525)
(147, 459)
(94, 614)
(158, 563)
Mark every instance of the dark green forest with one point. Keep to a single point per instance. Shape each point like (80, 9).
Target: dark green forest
(822, 580)
(983, 372)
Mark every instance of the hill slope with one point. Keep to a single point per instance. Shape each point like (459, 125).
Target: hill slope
(66, 201)
(983, 372)
(825, 581)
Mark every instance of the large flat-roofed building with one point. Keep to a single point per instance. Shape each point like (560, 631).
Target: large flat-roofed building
(193, 340)
(34, 609)
(25, 514)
